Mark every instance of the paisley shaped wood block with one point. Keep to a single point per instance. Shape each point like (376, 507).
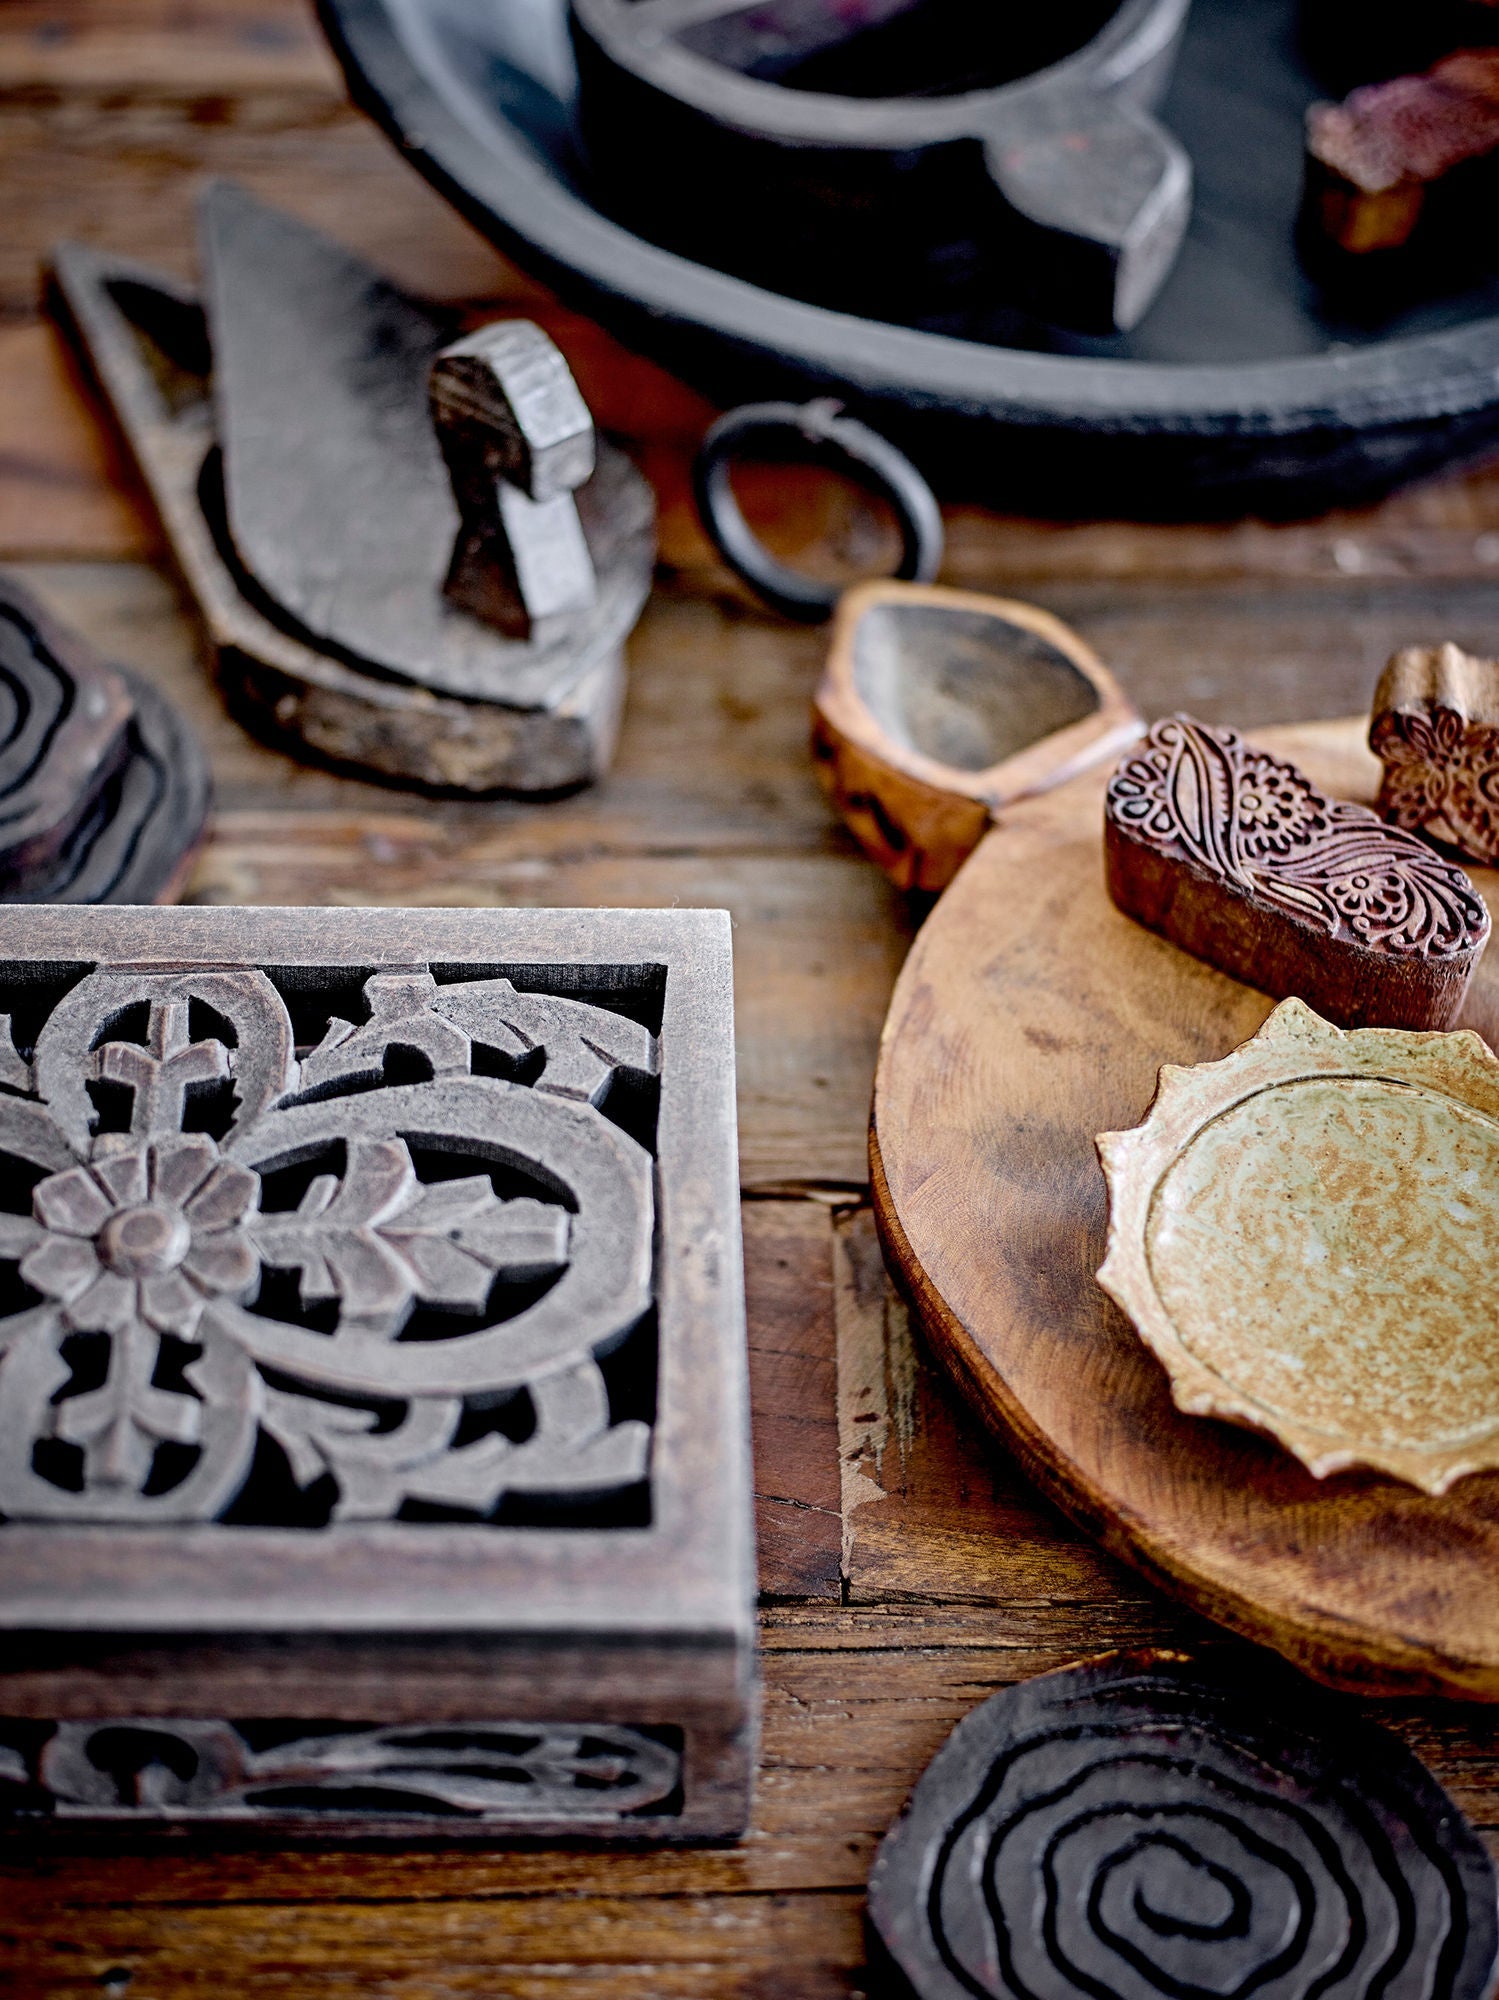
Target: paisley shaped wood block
(1237, 857)
(1306, 1235)
(1436, 731)
(1145, 1825)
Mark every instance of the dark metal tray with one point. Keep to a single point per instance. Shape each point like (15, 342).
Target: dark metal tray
(1244, 388)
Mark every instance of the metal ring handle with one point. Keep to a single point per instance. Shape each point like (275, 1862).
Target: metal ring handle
(830, 436)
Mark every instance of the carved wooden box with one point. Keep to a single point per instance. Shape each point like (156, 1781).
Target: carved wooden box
(373, 1439)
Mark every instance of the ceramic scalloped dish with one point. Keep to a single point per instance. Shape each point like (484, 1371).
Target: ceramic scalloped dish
(1306, 1235)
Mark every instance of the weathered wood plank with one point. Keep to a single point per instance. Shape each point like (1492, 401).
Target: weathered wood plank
(170, 48)
(765, 1946)
(66, 488)
(788, 1273)
(712, 754)
(936, 1512)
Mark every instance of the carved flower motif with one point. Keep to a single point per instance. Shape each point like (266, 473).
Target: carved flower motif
(1419, 754)
(1277, 808)
(1367, 893)
(153, 1232)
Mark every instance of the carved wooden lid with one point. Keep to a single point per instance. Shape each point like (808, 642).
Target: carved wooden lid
(1306, 1235)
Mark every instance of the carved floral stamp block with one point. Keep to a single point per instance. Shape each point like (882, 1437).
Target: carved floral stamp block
(1235, 855)
(376, 1273)
(1435, 728)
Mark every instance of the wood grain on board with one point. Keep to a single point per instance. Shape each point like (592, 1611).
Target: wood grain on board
(999, 1065)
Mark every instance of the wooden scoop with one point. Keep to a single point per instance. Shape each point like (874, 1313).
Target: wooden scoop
(938, 708)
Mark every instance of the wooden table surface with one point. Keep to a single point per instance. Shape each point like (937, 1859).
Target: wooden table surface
(907, 1571)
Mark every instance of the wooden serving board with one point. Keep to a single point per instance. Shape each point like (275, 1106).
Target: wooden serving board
(1030, 1016)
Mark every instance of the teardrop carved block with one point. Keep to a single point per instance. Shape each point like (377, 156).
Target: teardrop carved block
(1238, 858)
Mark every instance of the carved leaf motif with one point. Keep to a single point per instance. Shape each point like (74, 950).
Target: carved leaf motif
(379, 1239)
(401, 1016)
(583, 1046)
(161, 1074)
(15, 1072)
(121, 1424)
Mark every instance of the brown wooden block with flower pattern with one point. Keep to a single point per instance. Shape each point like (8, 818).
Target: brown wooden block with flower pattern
(1435, 728)
(1237, 857)
(371, 1337)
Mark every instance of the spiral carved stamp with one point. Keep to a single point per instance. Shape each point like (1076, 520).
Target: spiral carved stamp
(1238, 858)
(1144, 1825)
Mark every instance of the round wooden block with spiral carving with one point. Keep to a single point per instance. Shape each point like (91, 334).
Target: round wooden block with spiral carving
(1032, 1015)
(1143, 1827)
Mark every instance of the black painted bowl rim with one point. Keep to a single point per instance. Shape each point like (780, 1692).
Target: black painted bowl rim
(1134, 36)
(494, 178)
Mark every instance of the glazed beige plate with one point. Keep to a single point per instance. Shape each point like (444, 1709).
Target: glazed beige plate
(1306, 1235)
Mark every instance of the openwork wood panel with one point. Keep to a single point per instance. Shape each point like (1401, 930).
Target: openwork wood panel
(375, 1274)
(279, 1287)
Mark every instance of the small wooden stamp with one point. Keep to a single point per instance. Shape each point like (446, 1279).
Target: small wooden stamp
(1237, 857)
(1251, 1217)
(939, 708)
(1435, 728)
(372, 1415)
(1374, 160)
(1148, 1824)
(103, 789)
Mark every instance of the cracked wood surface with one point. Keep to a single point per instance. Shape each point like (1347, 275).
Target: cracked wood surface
(907, 1569)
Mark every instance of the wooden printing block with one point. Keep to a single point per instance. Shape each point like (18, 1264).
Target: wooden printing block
(373, 1448)
(1373, 160)
(324, 456)
(103, 789)
(939, 708)
(1237, 857)
(1435, 728)
(1148, 1824)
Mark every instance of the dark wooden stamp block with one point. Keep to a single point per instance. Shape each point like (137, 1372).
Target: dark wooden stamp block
(1236, 856)
(1375, 161)
(372, 1416)
(896, 158)
(1435, 728)
(1146, 1825)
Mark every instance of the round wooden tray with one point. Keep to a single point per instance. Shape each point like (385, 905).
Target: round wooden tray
(1031, 1016)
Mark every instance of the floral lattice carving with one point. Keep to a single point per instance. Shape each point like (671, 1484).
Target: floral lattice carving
(404, 1288)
